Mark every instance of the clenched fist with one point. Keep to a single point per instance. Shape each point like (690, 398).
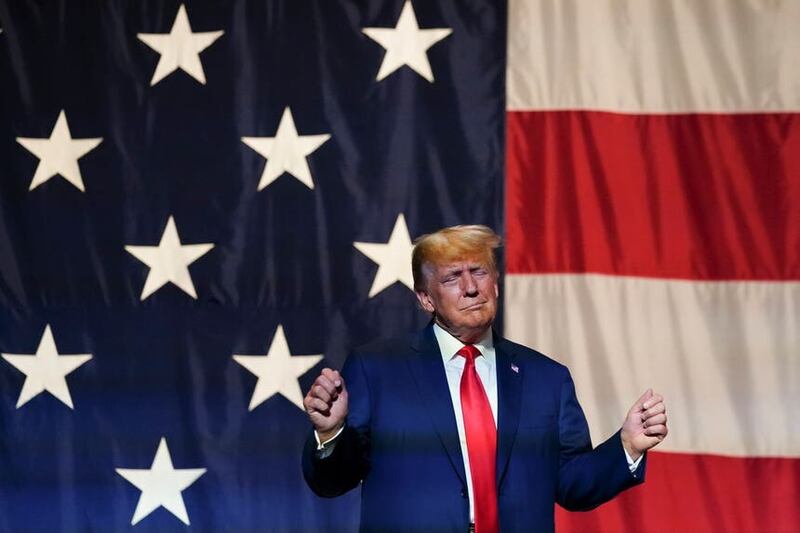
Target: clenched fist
(326, 403)
(646, 424)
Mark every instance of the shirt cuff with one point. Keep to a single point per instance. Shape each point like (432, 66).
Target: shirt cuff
(632, 465)
(330, 442)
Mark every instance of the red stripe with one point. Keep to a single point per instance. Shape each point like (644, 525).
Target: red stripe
(700, 493)
(710, 197)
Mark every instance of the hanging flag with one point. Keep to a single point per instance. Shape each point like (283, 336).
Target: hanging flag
(203, 204)
(653, 231)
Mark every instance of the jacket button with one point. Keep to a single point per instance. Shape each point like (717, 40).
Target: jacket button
(463, 493)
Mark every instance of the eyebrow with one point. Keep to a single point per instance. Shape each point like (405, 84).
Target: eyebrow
(472, 268)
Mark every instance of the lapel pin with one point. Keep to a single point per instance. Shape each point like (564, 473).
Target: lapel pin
(515, 368)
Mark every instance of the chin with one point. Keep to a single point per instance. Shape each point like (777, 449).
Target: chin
(478, 322)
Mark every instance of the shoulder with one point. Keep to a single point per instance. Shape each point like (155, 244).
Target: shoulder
(384, 351)
(382, 346)
(530, 358)
(381, 361)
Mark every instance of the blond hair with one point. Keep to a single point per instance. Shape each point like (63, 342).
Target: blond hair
(452, 244)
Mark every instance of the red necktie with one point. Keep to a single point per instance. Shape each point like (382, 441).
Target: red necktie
(481, 443)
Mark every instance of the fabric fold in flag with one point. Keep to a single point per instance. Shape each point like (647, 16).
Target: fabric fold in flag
(653, 239)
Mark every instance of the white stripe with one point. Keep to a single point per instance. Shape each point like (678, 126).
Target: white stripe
(725, 355)
(654, 56)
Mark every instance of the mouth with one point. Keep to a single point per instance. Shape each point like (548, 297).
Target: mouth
(473, 307)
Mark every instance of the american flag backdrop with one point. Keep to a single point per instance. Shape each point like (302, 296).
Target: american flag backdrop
(204, 203)
(653, 238)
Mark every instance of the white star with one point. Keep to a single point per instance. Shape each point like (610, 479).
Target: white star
(393, 258)
(169, 261)
(58, 154)
(406, 44)
(277, 371)
(180, 48)
(46, 371)
(161, 485)
(286, 152)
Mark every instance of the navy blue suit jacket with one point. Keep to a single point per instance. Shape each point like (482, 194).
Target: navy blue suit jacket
(401, 442)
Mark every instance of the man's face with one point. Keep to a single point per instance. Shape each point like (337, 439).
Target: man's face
(463, 297)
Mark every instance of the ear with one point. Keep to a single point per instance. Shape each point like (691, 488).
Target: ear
(424, 300)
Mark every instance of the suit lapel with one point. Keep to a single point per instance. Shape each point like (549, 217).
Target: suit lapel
(428, 371)
(509, 394)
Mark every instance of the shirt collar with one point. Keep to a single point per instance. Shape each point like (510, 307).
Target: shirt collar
(449, 345)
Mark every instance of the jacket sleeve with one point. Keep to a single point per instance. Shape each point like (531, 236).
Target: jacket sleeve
(348, 464)
(588, 477)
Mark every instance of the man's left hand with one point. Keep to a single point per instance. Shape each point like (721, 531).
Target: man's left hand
(646, 424)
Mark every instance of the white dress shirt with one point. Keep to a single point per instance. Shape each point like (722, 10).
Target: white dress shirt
(487, 373)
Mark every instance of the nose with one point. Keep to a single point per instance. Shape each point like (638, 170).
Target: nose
(470, 286)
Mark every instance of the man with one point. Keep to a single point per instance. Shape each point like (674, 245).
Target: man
(457, 428)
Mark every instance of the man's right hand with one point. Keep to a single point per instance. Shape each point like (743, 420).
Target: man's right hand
(326, 404)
